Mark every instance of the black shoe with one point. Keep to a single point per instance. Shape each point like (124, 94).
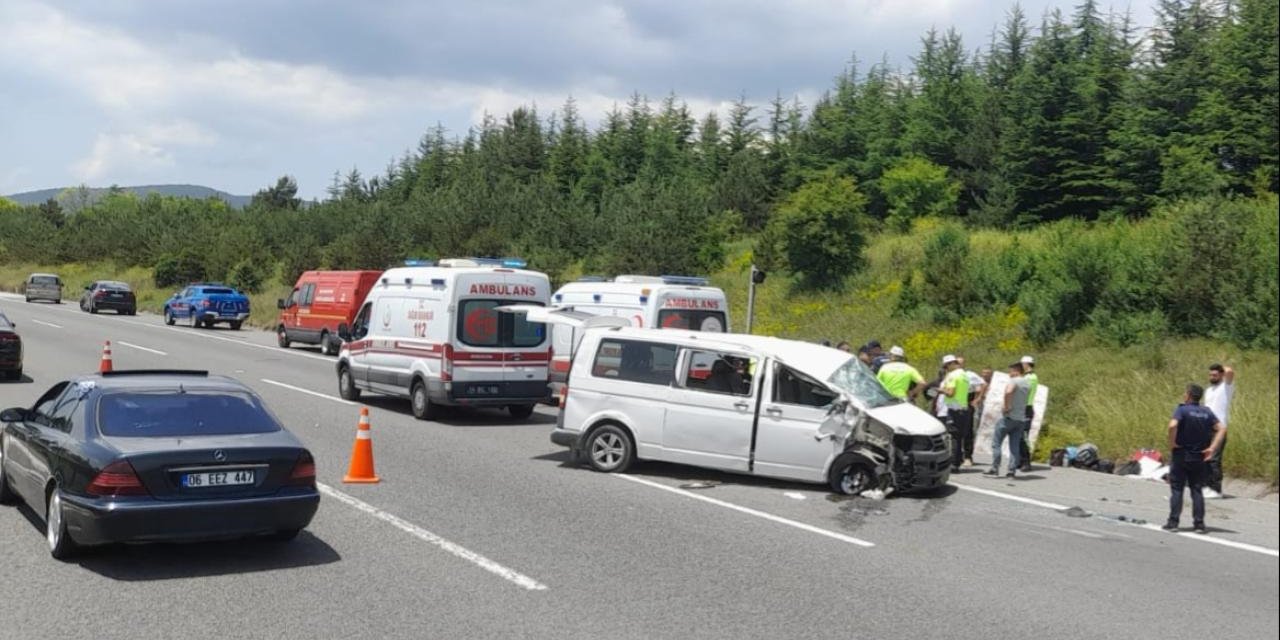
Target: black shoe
(991, 472)
(1009, 475)
(1201, 529)
(1026, 468)
(1170, 526)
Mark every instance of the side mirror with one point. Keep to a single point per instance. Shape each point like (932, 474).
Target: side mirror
(88, 288)
(13, 415)
(344, 332)
(280, 303)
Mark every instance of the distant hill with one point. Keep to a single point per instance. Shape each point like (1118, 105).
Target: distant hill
(180, 190)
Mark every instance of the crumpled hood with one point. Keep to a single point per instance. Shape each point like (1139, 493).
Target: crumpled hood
(907, 419)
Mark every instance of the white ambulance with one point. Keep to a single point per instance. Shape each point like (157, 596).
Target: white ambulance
(430, 332)
(664, 302)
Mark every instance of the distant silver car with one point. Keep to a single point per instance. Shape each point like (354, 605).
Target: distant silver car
(43, 286)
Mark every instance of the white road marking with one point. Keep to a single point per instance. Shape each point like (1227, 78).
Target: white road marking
(47, 324)
(141, 348)
(794, 495)
(1008, 496)
(307, 391)
(749, 511)
(1148, 526)
(505, 573)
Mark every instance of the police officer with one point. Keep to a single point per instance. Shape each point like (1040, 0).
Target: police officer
(1195, 434)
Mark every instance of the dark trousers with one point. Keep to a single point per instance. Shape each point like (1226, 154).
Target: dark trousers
(1186, 469)
(1215, 467)
(1024, 447)
(960, 425)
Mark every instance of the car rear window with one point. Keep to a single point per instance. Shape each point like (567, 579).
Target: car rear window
(113, 286)
(44, 280)
(210, 290)
(141, 414)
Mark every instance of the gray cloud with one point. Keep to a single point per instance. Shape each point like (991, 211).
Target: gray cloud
(238, 91)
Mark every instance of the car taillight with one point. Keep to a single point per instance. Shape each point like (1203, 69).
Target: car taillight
(304, 471)
(446, 363)
(116, 479)
(99, 294)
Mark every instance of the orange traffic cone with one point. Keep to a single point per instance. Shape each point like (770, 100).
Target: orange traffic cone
(361, 468)
(105, 365)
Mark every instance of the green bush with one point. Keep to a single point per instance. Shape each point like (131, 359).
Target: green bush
(247, 276)
(947, 286)
(916, 188)
(820, 230)
(1128, 328)
(178, 270)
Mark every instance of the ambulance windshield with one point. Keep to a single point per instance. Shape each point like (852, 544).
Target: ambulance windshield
(856, 379)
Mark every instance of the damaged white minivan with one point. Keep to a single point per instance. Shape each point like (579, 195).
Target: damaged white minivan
(744, 404)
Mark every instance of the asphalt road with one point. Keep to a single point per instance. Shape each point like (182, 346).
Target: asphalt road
(482, 528)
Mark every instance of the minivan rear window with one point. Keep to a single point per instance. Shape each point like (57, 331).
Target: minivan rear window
(480, 325)
(635, 361)
(168, 414)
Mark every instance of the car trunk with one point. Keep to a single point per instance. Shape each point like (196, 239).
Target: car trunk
(162, 463)
(227, 303)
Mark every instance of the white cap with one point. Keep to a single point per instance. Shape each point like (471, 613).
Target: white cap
(1028, 360)
(948, 359)
(897, 351)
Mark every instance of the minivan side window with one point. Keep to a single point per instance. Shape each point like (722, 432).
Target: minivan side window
(792, 387)
(635, 361)
(308, 295)
(716, 372)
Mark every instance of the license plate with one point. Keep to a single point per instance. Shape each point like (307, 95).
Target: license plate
(218, 478)
(484, 390)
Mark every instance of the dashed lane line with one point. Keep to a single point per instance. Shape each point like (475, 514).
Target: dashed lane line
(751, 512)
(506, 573)
(141, 348)
(47, 324)
(306, 391)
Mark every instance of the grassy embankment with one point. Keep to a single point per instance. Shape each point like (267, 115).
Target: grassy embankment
(1117, 398)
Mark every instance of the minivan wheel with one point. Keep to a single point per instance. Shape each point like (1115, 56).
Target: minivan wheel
(61, 546)
(423, 408)
(282, 337)
(347, 385)
(851, 475)
(609, 449)
(520, 411)
(235, 325)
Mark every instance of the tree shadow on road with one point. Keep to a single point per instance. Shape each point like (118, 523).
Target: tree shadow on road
(170, 561)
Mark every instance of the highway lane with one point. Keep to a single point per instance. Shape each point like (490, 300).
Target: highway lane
(618, 557)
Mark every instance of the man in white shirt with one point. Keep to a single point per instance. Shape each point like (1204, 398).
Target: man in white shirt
(1217, 398)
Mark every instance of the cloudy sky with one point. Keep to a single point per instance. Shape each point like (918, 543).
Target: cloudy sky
(233, 93)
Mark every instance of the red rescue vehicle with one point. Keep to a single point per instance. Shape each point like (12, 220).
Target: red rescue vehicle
(320, 301)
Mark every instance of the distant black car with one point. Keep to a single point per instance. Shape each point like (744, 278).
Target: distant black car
(109, 294)
(10, 350)
(140, 456)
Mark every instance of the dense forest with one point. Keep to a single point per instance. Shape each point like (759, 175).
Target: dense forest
(1150, 155)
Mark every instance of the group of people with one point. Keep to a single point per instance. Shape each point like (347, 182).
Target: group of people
(957, 396)
(1197, 437)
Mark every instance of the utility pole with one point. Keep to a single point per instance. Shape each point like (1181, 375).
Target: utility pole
(757, 276)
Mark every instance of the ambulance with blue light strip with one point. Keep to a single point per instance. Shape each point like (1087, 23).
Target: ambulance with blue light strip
(430, 331)
(663, 302)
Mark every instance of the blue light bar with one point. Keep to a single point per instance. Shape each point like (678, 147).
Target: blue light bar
(515, 263)
(437, 282)
(415, 262)
(689, 280)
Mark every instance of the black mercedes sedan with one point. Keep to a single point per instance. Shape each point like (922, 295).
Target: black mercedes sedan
(109, 294)
(145, 456)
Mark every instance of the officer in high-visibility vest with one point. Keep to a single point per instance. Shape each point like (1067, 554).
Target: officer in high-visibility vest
(899, 378)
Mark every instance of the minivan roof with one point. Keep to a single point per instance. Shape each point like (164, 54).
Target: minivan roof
(813, 359)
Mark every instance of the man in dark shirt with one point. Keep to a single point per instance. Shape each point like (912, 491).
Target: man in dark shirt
(1195, 433)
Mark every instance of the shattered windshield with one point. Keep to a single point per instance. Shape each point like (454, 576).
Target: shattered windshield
(857, 380)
